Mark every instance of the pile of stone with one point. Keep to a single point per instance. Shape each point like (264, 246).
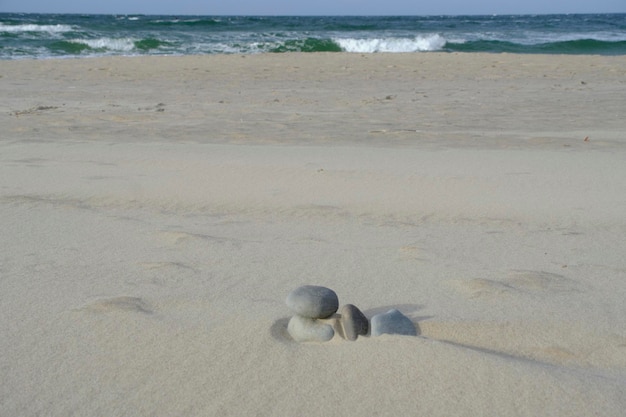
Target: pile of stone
(315, 319)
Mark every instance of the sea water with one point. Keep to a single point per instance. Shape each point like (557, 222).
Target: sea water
(74, 35)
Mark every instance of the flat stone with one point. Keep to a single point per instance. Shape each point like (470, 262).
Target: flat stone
(392, 322)
(305, 329)
(313, 301)
(353, 322)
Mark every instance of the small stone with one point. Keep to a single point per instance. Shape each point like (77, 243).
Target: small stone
(392, 322)
(313, 301)
(305, 329)
(353, 322)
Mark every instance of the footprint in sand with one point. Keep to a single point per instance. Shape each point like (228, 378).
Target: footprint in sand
(480, 287)
(166, 265)
(540, 281)
(175, 238)
(118, 304)
(517, 282)
(412, 253)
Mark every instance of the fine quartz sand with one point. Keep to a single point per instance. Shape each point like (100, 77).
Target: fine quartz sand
(156, 211)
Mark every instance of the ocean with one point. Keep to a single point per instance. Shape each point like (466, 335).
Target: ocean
(75, 35)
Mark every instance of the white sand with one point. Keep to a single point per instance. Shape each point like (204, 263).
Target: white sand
(155, 212)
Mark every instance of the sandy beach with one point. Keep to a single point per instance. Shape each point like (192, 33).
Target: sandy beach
(156, 211)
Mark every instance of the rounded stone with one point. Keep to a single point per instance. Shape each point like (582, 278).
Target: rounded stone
(392, 322)
(305, 329)
(353, 322)
(313, 301)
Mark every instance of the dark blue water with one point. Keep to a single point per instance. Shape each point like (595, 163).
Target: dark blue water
(51, 36)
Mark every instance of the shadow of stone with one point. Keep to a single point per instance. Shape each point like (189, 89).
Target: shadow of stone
(279, 332)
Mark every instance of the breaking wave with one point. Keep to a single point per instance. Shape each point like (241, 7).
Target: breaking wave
(26, 28)
(416, 44)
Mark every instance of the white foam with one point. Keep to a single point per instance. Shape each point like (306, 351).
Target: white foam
(35, 28)
(124, 45)
(416, 44)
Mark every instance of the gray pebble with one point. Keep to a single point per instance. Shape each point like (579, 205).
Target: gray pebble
(304, 329)
(313, 301)
(353, 322)
(392, 322)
